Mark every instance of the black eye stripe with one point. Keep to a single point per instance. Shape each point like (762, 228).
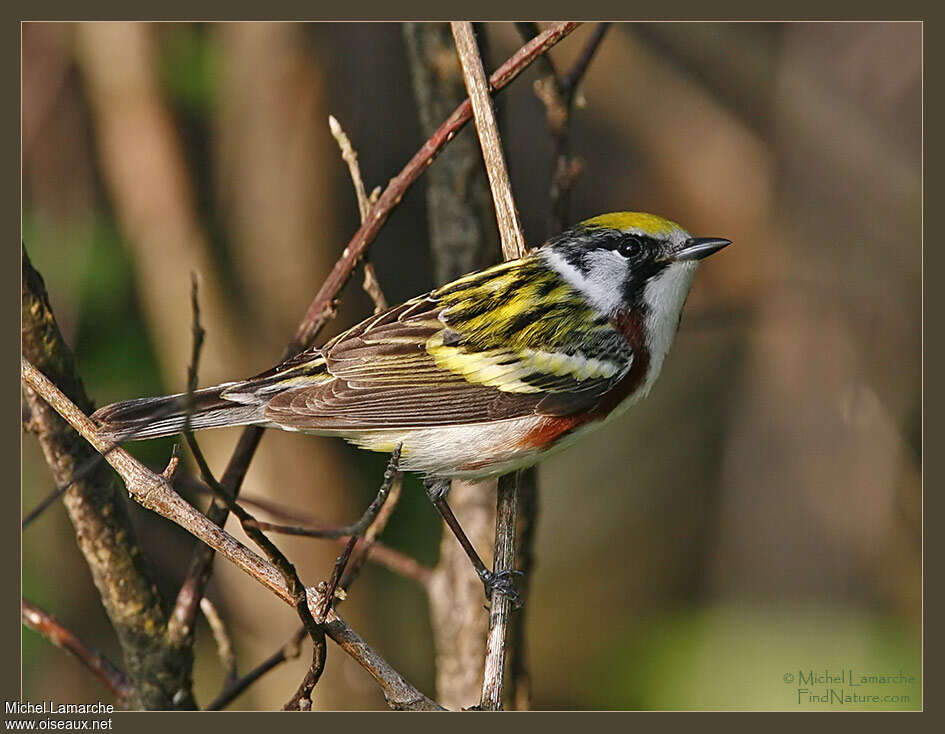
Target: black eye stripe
(625, 243)
(641, 251)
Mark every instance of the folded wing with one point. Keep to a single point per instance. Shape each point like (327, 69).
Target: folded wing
(442, 360)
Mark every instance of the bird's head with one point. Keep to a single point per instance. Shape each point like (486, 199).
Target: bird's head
(630, 260)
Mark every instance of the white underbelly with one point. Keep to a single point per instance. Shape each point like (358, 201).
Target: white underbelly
(470, 451)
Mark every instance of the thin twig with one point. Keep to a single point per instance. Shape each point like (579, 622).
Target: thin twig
(159, 670)
(558, 94)
(392, 559)
(180, 627)
(572, 79)
(322, 307)
(367, 544)
(372, 287)
(513, 246)
(513, 243)
(395, 561)
(528, 30)
(362, 525)
(493, 677)
(101, 667)
(289, 651)
(302, 698)
(351, 158)
(381, 554)
(343, 533)
(154, 492)
(225, 650)
(282, 512)
(371, 284)
(275, 556)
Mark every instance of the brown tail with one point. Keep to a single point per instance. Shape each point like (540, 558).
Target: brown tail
(131, 420)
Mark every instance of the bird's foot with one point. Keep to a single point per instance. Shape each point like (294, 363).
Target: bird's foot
(501, 583)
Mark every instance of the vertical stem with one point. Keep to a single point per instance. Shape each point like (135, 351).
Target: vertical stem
(462, 240)
(520, 682)
(513, 246)
(513, 243)
(494, 675)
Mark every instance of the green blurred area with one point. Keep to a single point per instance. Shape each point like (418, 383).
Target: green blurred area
(758, 517)
(763, 657)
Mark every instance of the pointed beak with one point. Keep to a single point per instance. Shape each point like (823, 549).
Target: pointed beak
(696, 248)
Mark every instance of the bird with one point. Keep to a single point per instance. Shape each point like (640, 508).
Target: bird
(482, 376)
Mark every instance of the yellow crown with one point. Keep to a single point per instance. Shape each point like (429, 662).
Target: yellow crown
(640, 221)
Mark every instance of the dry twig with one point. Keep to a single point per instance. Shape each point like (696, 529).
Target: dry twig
(275, 556)
(158, 668)
(371, 284)
(363, 525)
(559, 93)
(101, 667)
(225, 649)
(513, 246)
(510, 229)
(155, 493)
(379, 553)
(493, 678)
(367, 544)
(289, 651)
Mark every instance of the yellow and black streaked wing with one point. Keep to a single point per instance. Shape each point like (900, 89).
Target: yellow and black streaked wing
(511, 341)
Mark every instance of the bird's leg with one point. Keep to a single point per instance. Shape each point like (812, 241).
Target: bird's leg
(492, 582)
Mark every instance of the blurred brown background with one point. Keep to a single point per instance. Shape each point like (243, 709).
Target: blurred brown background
(760, 513)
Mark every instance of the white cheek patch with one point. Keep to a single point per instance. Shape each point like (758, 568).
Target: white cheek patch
(665, 296)
(603, 284)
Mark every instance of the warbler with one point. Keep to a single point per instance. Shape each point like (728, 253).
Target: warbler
(480, 377)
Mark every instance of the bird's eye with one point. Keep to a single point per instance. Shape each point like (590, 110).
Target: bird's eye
(630, 246)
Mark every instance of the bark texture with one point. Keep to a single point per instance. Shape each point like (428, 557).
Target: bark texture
(160, 672)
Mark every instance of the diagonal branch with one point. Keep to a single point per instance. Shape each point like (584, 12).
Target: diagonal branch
(289, 651)
(49, 627)
(322, 307)
(272, 552)
(159, 669)
(154, 492)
